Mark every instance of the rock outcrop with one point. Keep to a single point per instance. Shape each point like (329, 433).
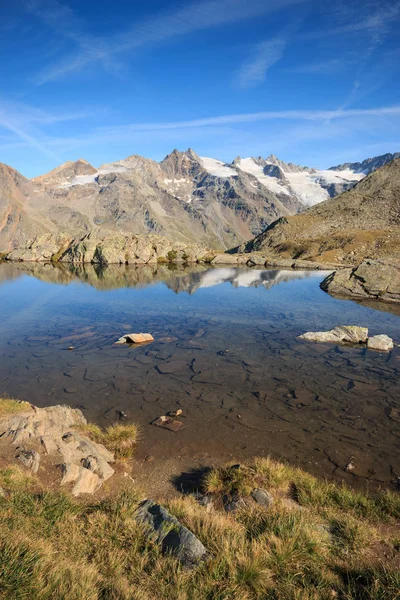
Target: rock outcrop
(111, 249)
(55, 430)
(372, 279)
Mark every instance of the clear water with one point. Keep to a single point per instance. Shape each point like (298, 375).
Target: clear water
(225, 352)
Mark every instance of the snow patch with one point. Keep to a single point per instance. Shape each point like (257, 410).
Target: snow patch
(217, 167)
(272, 183)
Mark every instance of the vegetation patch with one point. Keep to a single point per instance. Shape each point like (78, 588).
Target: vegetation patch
(9, 406)
(120, 439)
(54, 547)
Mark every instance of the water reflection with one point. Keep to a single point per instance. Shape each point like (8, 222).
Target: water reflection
(178, 278)
(226, 351)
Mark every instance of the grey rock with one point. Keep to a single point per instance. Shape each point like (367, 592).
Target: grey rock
(170, 533)
(29, 458)
(380, 342)
(262, 497)
(344, 333)
(375, 279)
(256, 260)
(234, 503)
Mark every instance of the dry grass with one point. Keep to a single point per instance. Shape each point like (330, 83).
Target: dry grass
(9, 406)
(120, 439)
(54, 548)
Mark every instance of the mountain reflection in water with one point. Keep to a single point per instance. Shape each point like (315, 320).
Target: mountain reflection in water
(179, 278)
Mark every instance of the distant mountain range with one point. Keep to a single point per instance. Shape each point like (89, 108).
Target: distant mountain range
(362, 222)
(185, 197)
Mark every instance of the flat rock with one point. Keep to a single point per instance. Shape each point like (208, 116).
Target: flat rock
(380, 342)
(135, 338)
(344, 333)
(174, 537)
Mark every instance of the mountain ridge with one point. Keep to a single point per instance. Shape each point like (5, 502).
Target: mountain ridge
(185, 197)
(363, 221)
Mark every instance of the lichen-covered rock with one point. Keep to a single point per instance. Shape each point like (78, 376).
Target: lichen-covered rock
(174, 537)
(375, 279)
(380, 342)
(344, 333)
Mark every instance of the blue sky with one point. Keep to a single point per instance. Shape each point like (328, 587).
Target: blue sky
(313, 82)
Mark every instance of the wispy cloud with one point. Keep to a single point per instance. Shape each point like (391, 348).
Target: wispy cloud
(186, 19)
(253, 71)
(287, 115)
(324, 67)
(23, 121)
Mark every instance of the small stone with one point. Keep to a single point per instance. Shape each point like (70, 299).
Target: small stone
(139, 338)
(121, 414)
(262, 497)
(175, 413)
(380, 342)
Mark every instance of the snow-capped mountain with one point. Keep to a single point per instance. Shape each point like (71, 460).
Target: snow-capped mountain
(185, 197)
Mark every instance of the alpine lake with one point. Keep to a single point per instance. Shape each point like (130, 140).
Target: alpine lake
(225, 352)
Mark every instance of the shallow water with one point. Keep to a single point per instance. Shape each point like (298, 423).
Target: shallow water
(225, 352)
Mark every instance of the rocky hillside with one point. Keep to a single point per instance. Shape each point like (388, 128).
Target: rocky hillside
(185, 197)
(362, 222)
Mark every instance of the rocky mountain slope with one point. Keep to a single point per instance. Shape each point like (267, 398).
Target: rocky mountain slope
(184, 197)
(362, 222)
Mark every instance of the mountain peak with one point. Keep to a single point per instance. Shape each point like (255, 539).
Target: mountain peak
(66, 172)
(181, 164)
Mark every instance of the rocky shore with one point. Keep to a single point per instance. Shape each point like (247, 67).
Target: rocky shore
(372, 279)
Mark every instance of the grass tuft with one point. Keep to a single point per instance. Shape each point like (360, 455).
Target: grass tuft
(9, 406)
(120, 439)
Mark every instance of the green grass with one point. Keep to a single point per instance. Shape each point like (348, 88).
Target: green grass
(53, 547)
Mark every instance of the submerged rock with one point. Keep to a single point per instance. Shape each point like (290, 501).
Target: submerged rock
(344, 333)
(376, 279)
(174, 537)
(380, 342)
